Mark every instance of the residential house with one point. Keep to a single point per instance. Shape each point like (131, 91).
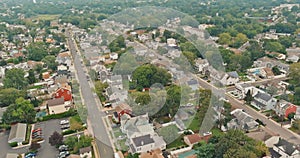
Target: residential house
(232, 78)
(268, 73)
(227, 79)
(263, 101)
(193, 84)
(242, 121)
(270, 63)
(201, 64)
(171, 42)
(141, 135)
(156, 153)
(297, 115)
(284, 108)
(57, 106)
(64, 58)
(63, 93)
(292, 58)
(284, 149)
(85, 152)
(196, 138)
(17, 133)
(120, 110)
(242, 89)
(113, 56)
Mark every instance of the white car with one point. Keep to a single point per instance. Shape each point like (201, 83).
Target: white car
(62, 122)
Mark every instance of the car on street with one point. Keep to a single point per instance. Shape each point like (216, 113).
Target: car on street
(30, 155)
(63, 154)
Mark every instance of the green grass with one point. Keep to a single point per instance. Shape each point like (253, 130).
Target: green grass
(176, 143)
(28, 132)
(46, 17)
(35, 87)
(169, 133)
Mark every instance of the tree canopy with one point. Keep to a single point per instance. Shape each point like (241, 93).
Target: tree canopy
(147, 75)
(8, 96)
(14, 78)
(21, 111)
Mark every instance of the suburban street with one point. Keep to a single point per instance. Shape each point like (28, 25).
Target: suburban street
(95, 114)
(270, 124)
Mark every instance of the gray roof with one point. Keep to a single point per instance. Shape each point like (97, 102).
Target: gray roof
(85, 150)
(56, 101)
(192, 82)
(12, 155)
(263, 96)
(233, 74)
(287, 146)
(142, 140)
(17, 131)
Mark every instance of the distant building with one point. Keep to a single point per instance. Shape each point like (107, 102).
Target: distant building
(264, 101)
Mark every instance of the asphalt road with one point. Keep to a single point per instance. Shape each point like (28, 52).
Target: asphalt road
(270, 124)
(5, 148)
(95, 115)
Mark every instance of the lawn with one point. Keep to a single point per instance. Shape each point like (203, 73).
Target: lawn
(122, 145)
(76, 123)
(46, 17)
(169, 133)
(176, 143)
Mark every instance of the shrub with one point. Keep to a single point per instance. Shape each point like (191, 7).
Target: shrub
(67, 132)
(13, 144)
(69, 113)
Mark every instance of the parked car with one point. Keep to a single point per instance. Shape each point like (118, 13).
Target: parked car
(63, 154)
(65, 126)
(30, 155)
(63, 148)
(62, 122)
(36, 130)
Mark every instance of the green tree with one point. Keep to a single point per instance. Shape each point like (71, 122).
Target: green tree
(31, 77)
(8, 96)
(276, 70)
(190, 57)
(297, 95)
(143, 98)
(206, 151)
(295, 73)
(225, 38)
(274, 47)
(99, 89)
(248, 97)
(49, 60)
(37, 51)
(255, 50)
(147, 75)
(21, 111)
(14, 78)
(239, 40)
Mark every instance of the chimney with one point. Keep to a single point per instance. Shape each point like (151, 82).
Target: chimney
(142, 142)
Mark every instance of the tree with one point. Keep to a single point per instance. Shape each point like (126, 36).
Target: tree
(49, 60)
(8, 96)
(255, 50)
(272, 90)
(31, 77)
(239, 40)
(21, 111)
(206, 151)
(37, 51)
(295, 73)
(143, 98)
(276, 71)
(146, 75)
(56, 139)
(274, 47)
(14, 78)
(297, 95)
(99, 89)
(248, 97)
(225, 38)
(3, 62)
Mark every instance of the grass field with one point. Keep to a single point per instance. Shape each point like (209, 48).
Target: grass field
(46, 17)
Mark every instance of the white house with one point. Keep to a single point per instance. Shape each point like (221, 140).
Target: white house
(286, 149)
(201, 64)
(113, 56)
(242, 121)
(264, 101)
(17, 133)
(85, 152)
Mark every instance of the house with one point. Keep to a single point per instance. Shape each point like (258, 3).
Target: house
(263, 101)
(242, 89)
(63, 93)
(45, 75)
(227, 79)
(17, 133)
(171, 42)
(193, 84)
(196, 138)
(85, 152)
(122, 109)
(113, 56)
(201, 64)
(292, 58)
(242, 121)
(284, 108)
(156, 153)
(270, 63)
(141, 135)
(297, 115)
(64, 58)
(285, 149)
(268, 73)
(57, 106)
(232, 78)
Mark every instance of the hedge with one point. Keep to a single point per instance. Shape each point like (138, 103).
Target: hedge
(67, 132)
(13, 144)
(69, 113)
